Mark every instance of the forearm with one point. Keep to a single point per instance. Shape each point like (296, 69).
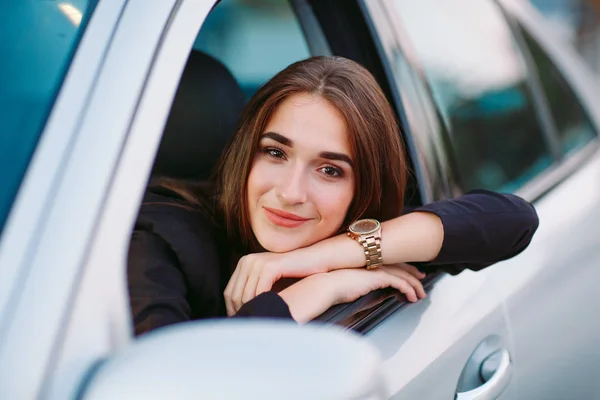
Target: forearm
(308, 298)
(472, 231)
(312, 296)
(481, 228)
(415, 237)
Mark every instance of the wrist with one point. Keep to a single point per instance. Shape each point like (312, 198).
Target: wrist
(340, 252)
(310, 297)
(314, 257)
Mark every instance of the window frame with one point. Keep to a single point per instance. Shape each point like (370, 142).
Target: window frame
(313, 34)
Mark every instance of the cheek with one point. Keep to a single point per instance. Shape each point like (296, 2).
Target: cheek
(334, 204)
(259, 182)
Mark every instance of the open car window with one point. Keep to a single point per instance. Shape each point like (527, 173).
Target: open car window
(254, 41)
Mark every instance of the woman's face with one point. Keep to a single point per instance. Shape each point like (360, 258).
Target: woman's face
(302, 181)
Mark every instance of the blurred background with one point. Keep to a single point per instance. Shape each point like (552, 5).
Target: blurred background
(579, 22)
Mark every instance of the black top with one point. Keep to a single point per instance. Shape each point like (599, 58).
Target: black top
(179, 263)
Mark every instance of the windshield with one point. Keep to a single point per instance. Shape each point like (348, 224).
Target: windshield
(37, 42)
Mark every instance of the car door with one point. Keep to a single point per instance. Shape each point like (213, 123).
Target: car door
(551, 294)
(509, 120)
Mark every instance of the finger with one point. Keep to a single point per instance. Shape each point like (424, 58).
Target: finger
(411, 269)
(401, 285)
(249, 289)
(265, 281)
(404, 287)
(412, 281)
(238, 291)
(229, 289)
(415, 283)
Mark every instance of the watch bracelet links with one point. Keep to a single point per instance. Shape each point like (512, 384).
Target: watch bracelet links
(372, 247)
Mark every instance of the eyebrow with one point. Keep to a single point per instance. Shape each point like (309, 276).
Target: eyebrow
(327, 155)
(278, 138)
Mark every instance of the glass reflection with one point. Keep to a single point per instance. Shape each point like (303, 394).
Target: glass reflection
(479, 81)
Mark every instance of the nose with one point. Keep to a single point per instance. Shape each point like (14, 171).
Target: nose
(292, 186)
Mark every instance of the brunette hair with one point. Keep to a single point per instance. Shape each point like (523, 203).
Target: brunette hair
(380, 164)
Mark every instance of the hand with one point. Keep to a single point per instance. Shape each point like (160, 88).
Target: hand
(352, 284)
(312, 296)
(256, 273)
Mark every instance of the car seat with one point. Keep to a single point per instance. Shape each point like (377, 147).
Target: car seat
(203, 117)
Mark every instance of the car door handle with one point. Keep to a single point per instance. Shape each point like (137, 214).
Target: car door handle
(496, 371)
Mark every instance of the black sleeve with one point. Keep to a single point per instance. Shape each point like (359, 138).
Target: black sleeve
(268, 305)
(157, 289)
(480, 229)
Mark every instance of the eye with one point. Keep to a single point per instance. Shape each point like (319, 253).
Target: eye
(331, 171)
(274, 152)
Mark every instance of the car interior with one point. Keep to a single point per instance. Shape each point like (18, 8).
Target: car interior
(202, 119)
(214, 88)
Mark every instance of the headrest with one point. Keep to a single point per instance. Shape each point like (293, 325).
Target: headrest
(203, 117)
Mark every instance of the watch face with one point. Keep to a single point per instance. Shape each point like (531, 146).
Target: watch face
(364, 226)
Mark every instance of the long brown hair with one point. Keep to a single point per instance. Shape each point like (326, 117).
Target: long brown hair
(380, 164)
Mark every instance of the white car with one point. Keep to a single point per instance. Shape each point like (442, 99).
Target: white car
(486, 95)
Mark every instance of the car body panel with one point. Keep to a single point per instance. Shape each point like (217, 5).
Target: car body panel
(550, 293)
(426, 345)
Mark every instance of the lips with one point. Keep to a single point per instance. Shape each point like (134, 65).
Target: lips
(284, 219)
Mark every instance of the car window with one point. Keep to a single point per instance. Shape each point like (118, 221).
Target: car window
(479, 82)
(255, 40)
(573, 125)
(38, 41)
(577, 21)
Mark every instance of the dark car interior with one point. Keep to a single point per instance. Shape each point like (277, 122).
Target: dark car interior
(206, 107)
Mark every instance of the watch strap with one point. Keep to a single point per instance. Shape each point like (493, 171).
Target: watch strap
(372, 248)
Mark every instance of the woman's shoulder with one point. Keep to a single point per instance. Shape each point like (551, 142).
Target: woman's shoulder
(176, 247)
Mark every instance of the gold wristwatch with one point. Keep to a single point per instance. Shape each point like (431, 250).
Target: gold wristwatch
(367, 232)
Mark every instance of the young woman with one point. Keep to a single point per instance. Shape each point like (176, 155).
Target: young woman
(311, 186)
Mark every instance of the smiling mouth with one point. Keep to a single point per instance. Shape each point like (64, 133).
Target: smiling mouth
(284, 219)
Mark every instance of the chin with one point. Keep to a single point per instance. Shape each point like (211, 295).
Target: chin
(275, 244)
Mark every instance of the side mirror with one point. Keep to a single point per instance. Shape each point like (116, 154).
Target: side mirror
(241, 359)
